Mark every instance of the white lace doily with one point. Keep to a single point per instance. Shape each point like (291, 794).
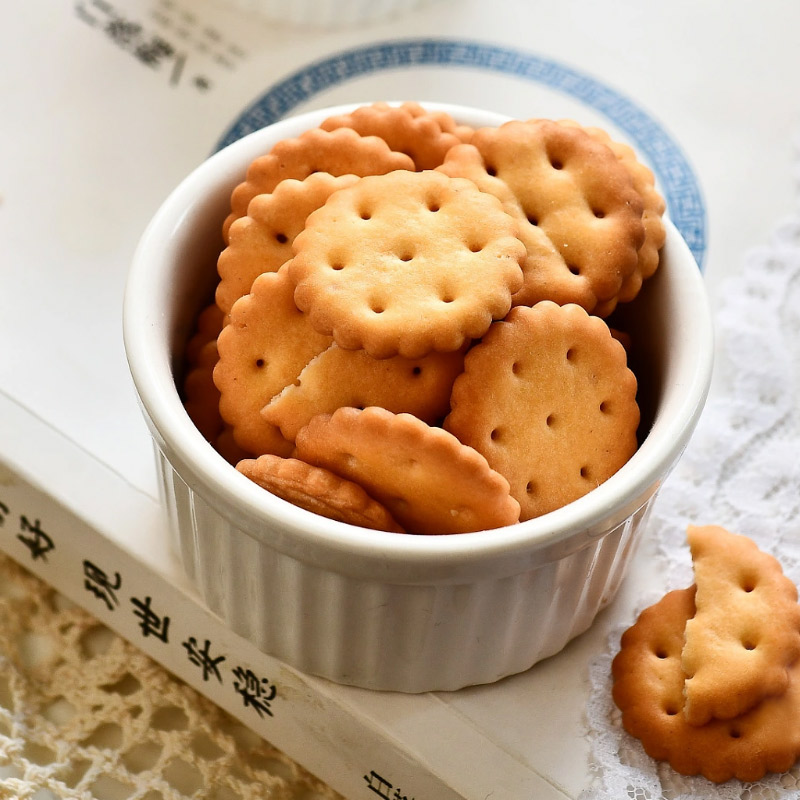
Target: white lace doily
(741, 470)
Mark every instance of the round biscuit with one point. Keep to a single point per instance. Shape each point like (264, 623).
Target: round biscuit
(548, 399)
(427, 479)
(418, 134)
(338, 152)
(319, 491)
(407, 263)
(263, 349)
(577, 210)
(652, 216)
(648, 690)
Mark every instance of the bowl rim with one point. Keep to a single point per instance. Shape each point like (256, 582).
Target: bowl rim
(291, 529)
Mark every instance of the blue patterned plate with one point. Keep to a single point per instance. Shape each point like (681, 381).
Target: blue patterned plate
(413, 70)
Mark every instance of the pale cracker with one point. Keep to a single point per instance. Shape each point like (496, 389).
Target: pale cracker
(577, 210)
(548, 399)
(648, 689)
(339, 152)
(338, 377)
(262, 350)
(427, 479)
(319, 491)
(745, 635)
(407, 263)
(262, 240)
(417, 134)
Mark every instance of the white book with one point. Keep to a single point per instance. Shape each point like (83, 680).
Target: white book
(83, 528)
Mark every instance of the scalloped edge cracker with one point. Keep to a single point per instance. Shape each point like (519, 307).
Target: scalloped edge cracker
(318, 490)
(428, 480)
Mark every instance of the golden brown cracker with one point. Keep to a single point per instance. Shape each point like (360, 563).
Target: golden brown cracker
(745, 635)
(427, 479)
(417, 134)
(654, 204)
(207, 327)
(577, 210)
(624, 338)
(201, 396)
(648, 689)
(338, 152)
(226, 446)
(338, 377)
(652, 216)
(406, 263)
(262, 350)
(445, 121)
(319, 491)
(548, 399)
(262, 240)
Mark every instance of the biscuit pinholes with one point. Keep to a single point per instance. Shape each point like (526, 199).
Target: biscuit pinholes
(577, 210)
(548, 399)
(338, 152)
(407, 263)
(745, 633)
(415, 307)
(261, 351)
(708, 678)
(262, 240)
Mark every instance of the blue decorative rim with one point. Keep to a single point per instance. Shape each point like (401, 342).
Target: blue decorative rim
(675, 175)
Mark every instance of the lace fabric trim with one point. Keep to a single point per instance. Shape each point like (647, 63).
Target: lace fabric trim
(84, 714)
(741, 470)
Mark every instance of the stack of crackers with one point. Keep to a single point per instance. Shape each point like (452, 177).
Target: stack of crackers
(709, 677)
(410, 327)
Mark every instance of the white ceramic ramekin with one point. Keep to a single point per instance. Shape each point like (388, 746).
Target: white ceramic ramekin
(402, 612)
